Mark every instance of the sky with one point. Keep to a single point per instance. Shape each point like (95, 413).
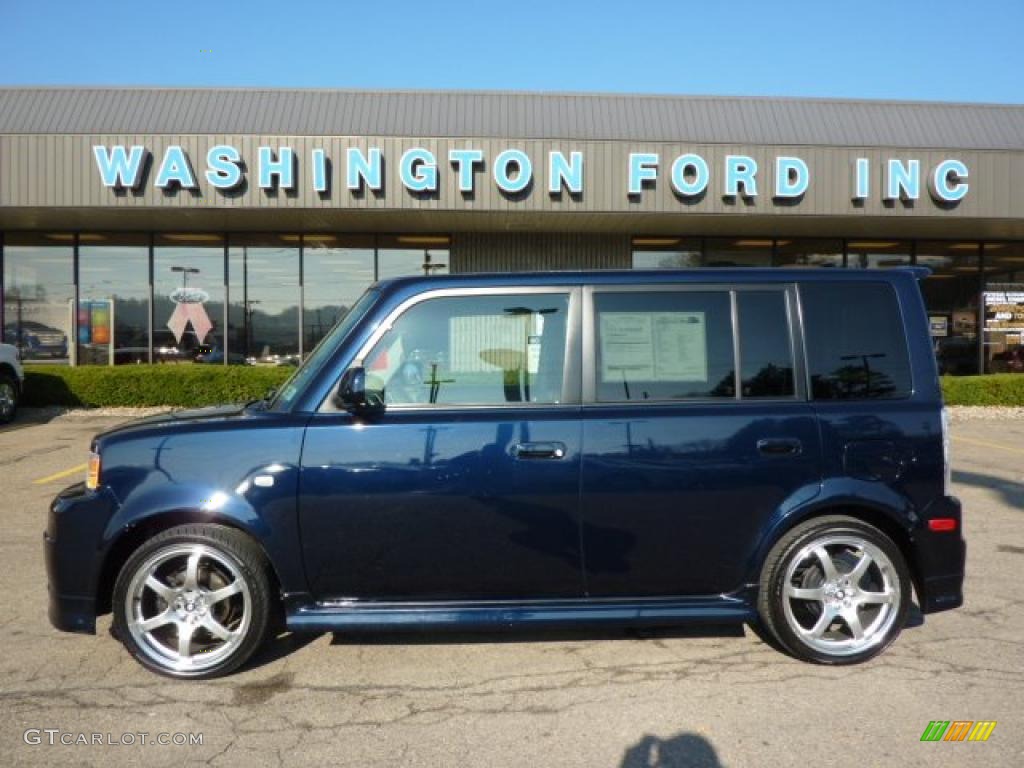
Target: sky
(942, 50)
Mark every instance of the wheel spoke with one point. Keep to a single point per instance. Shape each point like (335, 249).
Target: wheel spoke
(872, 598)
(860, 569)
(223, 593)
(148, 625)
(192, 571)
(849, 615)
(828, 614)
(827, 566)
(215, 628)
(185, 631)
(165, 592)
(800, 593)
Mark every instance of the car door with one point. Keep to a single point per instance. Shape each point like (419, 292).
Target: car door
(696, 431)
(466, 486)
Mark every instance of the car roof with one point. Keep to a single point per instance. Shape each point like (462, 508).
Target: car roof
(707, 275)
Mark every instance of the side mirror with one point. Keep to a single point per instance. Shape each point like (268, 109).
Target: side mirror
(352, 394)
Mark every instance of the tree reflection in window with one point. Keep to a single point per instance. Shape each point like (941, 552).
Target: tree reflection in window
(856, 348)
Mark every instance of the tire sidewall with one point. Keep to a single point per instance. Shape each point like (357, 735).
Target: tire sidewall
(776, 578)
(233, 545)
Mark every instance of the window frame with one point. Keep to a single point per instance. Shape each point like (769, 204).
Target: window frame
(572, 360)
(794, 334)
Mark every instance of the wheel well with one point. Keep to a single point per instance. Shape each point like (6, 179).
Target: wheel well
(134, 537)
(873, 517)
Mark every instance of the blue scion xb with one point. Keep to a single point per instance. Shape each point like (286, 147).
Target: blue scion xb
(542, 450)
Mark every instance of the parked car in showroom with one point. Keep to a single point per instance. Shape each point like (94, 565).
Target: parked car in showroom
(37, 341)
(12, 382)
(542, 450)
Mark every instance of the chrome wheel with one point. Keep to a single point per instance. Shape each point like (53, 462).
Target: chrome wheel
(8, 399)
(188, 607)
(841, 595)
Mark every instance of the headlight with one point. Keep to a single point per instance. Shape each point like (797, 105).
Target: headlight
(92, 475)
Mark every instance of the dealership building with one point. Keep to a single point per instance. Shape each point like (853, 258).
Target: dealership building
(234, 225)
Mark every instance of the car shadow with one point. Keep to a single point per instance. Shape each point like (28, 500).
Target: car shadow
(281, 645)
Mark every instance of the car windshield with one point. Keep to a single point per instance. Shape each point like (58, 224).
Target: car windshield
(287, 392)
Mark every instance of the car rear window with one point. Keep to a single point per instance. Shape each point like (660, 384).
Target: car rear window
(856, 346)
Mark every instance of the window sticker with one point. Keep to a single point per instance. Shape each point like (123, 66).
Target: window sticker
(653, 346)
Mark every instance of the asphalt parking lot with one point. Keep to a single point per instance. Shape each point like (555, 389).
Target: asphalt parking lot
(711, 697)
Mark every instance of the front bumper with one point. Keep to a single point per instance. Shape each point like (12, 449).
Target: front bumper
(72, 545)
(940, 559)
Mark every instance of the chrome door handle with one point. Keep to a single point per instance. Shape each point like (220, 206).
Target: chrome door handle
(539, 450)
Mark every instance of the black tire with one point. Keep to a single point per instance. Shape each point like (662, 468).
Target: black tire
(779, 613)
(226, 551)
(10, 393)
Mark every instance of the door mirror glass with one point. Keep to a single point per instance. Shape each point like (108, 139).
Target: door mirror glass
(353, 395)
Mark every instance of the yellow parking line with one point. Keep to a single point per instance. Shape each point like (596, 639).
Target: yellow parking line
(59, 475)
(987, 444)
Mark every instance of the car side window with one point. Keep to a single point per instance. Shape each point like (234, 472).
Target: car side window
(664, 345)
(856, 348)
(766, 352)
(473, 350)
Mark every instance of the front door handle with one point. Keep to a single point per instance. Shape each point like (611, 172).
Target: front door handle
(539, 450)
(779, 446)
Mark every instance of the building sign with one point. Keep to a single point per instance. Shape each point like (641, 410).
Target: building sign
(515, 173)
(939, 325)
(1004, 311)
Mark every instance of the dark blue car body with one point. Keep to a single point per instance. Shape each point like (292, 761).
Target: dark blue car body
(655, 513)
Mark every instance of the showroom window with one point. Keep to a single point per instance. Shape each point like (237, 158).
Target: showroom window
(188, 299)
(39, 294)
(737, 252)
(804, 252)
(878, 254)
(337, 269)
(113, 298)
(951, 296)
(263, 314)
(1004, 308)
(666, 252)
(404, 255)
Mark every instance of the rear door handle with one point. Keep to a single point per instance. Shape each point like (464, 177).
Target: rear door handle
(539, 450)
(779, 446)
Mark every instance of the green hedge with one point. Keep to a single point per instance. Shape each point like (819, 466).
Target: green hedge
(148, 385)
(198, 385)
(996, 389)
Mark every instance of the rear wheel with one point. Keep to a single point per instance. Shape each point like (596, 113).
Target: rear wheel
(835, 590)
(8, 397)
(193, 601)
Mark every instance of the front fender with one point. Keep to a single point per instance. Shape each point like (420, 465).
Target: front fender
(244, 474)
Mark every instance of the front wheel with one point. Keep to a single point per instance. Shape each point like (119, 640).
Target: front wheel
(8, 397)
(193, 601)
(835, 590)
